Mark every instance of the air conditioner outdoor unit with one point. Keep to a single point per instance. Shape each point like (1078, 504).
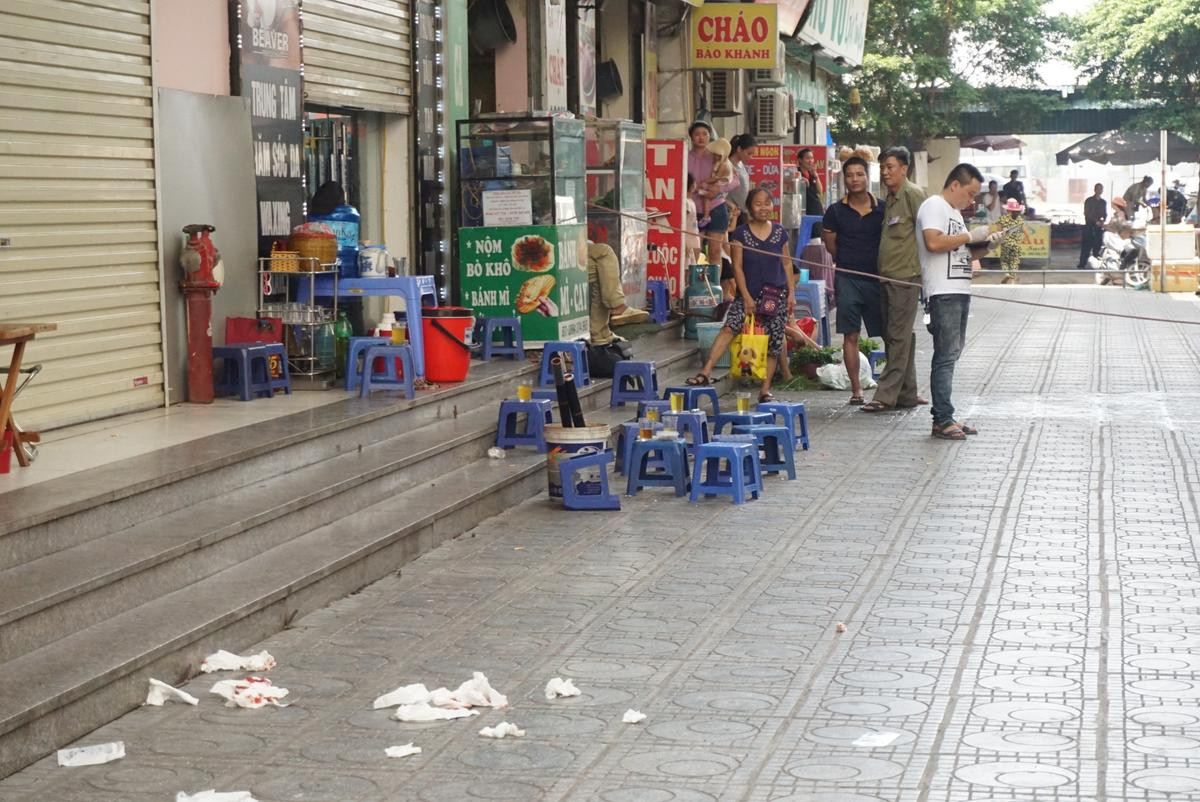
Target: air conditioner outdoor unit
(775, 77)
(773, 113)
(728, 94)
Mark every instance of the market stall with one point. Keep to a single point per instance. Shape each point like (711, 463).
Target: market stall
(522, 247)
(616, 191)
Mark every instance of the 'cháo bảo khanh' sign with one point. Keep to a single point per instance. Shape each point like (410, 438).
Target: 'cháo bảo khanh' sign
(734, 36)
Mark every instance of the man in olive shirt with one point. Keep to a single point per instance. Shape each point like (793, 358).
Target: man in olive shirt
(898, 260)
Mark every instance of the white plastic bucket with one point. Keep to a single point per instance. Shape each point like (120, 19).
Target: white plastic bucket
(706, 334)
(564, 442)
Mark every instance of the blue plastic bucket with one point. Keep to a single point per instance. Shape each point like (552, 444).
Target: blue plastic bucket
(706, 334)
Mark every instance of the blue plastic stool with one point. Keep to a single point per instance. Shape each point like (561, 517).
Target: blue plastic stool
(740, 419)
(579, 364)
(692, 396)
(790, 414)
(642, 381)
(537, 415)
(245, 371)
(572, 498)
(806, 227)
(673, 471)
(284, 382)
(877, 360)
(777, 446)
(542, 394)
(741, 476)
(692, 427)
(357, 347)
(388, 379)
(627, 435)
(663, 408)
(660, 301)
(510, 330)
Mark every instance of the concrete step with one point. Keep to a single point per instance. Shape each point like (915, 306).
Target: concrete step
(51, 597)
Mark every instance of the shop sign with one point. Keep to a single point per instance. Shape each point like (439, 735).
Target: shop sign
(839, 27)
(268, 76)
(807, 94)
(790, 14)
(666, 191)
(766, 170)
(554, 51)
(507, 207)
(733, 36)
(791, 157)
(587, 61)
(535, 273)
(1035, 241)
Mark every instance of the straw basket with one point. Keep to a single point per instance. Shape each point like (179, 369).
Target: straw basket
(310, 246)
(284, 261)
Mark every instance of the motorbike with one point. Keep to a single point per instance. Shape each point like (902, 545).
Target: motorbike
(1126, 258)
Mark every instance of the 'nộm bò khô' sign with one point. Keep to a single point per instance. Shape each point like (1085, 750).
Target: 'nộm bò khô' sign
(734, 36)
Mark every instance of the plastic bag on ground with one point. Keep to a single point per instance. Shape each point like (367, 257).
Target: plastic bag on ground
(215, 796)
(406, 695)
(402, 751)
(424, 711)
(835, 375)
(160, 692)
(91, 755)
(251, 692)
(478, 692)
(560, 687)
(633, 717)
(502, 730)
(222, 660)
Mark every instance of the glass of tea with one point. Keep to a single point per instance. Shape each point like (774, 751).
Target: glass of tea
(743, 403)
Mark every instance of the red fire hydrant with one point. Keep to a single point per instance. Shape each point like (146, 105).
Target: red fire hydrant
(203, 273)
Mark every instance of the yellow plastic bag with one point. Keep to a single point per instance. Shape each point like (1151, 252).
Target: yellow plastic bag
(748, 352)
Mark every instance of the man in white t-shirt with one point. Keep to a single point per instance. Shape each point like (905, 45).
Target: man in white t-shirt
(946, 270)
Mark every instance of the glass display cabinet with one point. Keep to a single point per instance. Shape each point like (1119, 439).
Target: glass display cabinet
(522, 244)
(616, 192)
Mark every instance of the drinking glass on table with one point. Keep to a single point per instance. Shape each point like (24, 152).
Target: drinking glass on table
(743, 403)
(399, 335)
(525, 391)
(645, 429)
(652, 414)
(677, 402)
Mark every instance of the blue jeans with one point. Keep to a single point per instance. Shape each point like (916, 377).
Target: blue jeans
(948, 319)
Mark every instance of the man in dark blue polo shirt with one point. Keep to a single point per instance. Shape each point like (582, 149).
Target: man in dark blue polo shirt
(851, 232)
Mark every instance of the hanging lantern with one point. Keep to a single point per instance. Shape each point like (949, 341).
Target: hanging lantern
(855, 103)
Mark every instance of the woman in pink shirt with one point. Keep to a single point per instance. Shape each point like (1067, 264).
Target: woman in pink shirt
(701, 163)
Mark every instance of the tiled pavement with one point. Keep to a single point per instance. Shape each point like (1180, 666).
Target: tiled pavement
(1021, 611)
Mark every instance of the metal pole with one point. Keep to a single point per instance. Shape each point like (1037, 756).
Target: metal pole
(1162, 212)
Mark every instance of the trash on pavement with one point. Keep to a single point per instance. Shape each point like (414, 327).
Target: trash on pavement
(560, 687)
(502, 730)
(633, 717)
(840, 627)
(407, 695)
(402, 751)
(476, 692)
(92, 755)
(222, 660)
(423, 711)
(875, 739)
(215, 796)
(496, 453)
(251, 692)
(160, 692)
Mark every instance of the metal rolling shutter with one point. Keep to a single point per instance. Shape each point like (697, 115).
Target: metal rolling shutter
(77, 199)
(357, 54)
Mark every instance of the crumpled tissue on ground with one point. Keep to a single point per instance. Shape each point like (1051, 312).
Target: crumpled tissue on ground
(423, 711)
(222, 660)
(476, 692)
(402, 751)
(160, 692)
(501, 730)
(496, 453)
(251, 692)
(407, 695)
(215, 796)
(633, 717)
(560, 687)
(91, 755)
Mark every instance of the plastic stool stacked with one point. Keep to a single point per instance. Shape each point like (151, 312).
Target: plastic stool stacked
(509, 434)
(246, 370)
(513, 344)
(732, 419)
(357, 347)
(660, 301)
(579, 365)
(790, 414)
(777, 446)
(633, 381)
(388, 379)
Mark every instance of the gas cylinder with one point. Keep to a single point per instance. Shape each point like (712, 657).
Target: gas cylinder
(701, 297)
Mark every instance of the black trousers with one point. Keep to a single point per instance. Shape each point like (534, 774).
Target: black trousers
(1090, 242)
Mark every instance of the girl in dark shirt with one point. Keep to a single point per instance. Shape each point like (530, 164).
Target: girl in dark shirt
(762, 269)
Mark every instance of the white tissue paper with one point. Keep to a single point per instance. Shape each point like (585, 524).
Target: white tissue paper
(92, 755)
(402, 751)
(478, 692)
(251, 692)
(160, 692)
(501, 730)
(407, 695)
(215, 796)
(633, 717)
(423, 711)
(228, 661)
(560, 687)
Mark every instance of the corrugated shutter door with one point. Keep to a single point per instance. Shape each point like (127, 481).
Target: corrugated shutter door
(357, 54)
(77, 200)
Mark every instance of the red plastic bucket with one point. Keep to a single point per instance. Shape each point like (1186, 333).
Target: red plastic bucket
(447, 332)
